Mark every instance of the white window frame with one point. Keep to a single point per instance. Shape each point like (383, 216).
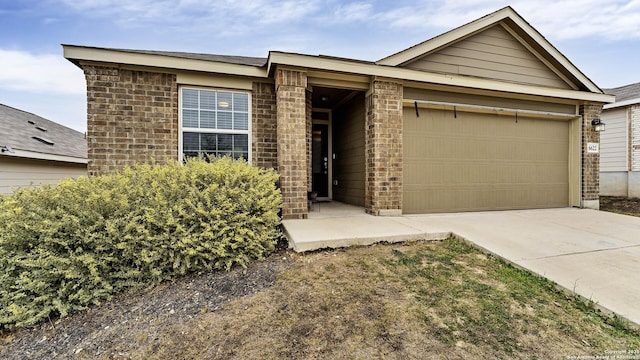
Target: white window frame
(182, 130)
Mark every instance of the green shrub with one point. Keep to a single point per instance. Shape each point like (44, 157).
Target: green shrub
(63, 248)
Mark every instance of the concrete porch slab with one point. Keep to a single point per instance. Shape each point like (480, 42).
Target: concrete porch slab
(592, 253)
(335, 224)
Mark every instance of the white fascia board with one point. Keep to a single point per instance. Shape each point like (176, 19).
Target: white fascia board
(622, 103)
(89, 54)
(25, 154)
(337, 65)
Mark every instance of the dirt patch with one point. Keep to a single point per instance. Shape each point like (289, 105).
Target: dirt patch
(620, 204)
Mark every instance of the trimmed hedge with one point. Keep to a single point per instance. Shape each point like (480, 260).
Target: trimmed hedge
(65, 247)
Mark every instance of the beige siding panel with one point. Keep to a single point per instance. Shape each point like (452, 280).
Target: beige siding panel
(614, 150)
(16, 172)
(501, 58)
(483, 162)
(488, 68)
(348, 145)
(491, 54)
(435, 95)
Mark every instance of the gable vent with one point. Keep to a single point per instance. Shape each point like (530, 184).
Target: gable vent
(43, 140)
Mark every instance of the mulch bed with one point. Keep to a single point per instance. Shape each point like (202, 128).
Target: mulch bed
(620, 204)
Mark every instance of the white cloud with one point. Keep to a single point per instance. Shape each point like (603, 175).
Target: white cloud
(560, 20)
(22, 71)
(354, 12)
(214, 13)
(573, 19)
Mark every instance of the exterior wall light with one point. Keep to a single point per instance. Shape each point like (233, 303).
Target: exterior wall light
(598, 125)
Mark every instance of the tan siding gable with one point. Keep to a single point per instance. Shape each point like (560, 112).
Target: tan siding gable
(491, 54)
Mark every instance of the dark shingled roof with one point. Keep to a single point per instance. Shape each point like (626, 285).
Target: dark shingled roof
(18, 129)
(240, 60)
(627, 92)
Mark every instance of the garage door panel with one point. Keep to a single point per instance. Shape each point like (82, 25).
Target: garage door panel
(478, 198)
(483, 162)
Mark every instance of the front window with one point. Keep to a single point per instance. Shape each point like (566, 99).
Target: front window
(214, 122)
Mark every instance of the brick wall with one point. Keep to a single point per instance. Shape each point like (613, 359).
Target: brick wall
(291, 88)
(132, 117)
(383, 148)
(634, 147)
(264, 129)
(590, 161)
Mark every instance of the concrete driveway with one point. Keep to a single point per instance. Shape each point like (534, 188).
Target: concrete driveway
(594, 253)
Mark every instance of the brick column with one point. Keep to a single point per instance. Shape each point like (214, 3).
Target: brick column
(634, 138)
(291, 87)
(383, 148)
(590, 161)
(633, 177)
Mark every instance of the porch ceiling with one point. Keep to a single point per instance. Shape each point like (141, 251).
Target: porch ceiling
(329, 98)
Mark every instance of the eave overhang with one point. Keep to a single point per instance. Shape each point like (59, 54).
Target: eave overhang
(407, 75)
(26, 154)
(85, 54)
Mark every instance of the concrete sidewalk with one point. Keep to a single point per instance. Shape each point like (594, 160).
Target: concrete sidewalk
(594, 253)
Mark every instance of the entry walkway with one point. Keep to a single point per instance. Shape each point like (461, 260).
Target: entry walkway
(594, 253)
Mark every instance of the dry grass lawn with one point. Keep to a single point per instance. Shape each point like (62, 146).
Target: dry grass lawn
(410, 301)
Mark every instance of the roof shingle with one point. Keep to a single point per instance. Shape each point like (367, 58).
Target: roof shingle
(230, 59)
(22, 130)
(627, 92)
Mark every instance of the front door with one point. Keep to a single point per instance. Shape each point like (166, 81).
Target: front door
(320, 160)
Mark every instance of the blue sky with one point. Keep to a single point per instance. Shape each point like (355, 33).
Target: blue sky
(601, 37)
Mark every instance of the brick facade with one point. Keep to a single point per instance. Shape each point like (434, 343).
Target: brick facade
(590, 161)
(292, 114)
(264, 128)
(383, 148)
(132, 117)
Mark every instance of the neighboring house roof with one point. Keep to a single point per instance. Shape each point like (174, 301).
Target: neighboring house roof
(573, 84)
(34, 137)
(625, 95)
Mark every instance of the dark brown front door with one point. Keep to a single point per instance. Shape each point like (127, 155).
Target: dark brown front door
(320, 159)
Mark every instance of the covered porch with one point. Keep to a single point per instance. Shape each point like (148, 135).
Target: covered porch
(339, 138)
